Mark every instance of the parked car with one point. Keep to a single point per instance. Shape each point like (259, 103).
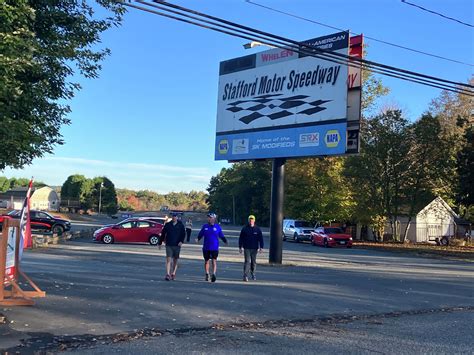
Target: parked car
(42, 221)
(297, 230)
(132, 230)
(331, 237)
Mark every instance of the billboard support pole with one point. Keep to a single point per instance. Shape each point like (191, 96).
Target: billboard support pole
(276, 211)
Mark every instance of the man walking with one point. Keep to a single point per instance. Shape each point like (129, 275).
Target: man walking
(173, 235)
(211, 231)
(251, 240)
(189, 229)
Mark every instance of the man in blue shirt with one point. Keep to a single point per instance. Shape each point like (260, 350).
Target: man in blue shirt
(211, 232)
(251, 241)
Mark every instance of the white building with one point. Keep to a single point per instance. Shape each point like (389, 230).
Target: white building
(43, 198)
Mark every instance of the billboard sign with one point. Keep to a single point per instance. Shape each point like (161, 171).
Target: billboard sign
(281, 104)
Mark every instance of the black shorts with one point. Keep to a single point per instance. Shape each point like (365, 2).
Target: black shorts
(210, 254)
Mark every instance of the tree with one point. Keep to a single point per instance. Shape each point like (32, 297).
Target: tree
(316, 190)
(40, 41)
(378, 173)
(103, 193)
(245, 186)
(465, 170)
(431, 166)
(4, 184)
(76, 189)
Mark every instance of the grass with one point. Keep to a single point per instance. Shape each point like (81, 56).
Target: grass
(465, 253)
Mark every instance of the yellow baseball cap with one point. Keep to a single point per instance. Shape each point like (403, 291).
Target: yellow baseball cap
(252, 217)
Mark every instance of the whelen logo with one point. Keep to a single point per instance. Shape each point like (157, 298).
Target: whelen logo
(223, 146)
(309, 139)
(332, 138)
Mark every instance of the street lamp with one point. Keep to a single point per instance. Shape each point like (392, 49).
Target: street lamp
(256, 44)
(100, 195)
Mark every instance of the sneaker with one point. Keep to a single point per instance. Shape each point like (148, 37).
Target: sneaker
(246, 279)
(213, 278)
(173, 277)
(254, 277)
(167, 278)
(207, 277)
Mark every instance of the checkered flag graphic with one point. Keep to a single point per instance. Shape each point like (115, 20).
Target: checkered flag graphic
(274, 107)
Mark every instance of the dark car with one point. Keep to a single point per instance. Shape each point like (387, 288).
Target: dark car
(44, 222)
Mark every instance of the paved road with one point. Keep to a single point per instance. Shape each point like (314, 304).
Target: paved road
(99, 294)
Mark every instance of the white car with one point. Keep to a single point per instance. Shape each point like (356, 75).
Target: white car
(297, 230)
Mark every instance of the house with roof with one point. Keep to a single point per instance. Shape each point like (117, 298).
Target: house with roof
(432, 223)
(44, 198)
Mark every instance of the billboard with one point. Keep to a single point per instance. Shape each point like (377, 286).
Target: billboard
(278, 103)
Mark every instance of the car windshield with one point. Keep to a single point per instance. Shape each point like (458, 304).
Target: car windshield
(14, 213)
(303, 224)
(333, 231)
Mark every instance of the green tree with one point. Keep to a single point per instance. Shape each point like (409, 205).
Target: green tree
(378, 173)
(316, 190)
(102, 193)
(4, 184)
(246, 186)
(431, 166)
(465, 169)
(40, 42)
(77, 188)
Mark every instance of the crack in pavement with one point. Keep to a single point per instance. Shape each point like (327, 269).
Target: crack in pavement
(46, 342)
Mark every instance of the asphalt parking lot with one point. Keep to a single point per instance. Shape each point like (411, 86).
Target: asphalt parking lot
(113, 298)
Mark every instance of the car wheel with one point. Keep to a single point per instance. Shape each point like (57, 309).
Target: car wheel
(326, 244)
(350, 246)
(296, 238)
(444, 241)
(57, 229)
(284, 237)
(107, 239)
(154, 240)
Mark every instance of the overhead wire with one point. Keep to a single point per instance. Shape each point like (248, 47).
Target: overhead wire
(293, 45)
(437, 13)
(354, 33)
(272, 37)
(233, 29)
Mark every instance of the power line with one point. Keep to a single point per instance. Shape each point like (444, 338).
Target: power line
(365, 36)
(272, 37)
(248, 33)
(437, 13)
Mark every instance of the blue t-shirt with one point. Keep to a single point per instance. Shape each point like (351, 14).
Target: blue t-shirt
(211, 234)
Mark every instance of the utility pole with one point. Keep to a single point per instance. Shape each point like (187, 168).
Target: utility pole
(276, 211)
(233, 210)
(100, 195)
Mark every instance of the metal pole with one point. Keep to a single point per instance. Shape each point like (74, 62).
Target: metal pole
(276, 211)
(233, 210)
(100, 196)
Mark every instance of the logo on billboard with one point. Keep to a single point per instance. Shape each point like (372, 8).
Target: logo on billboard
(309, 139)
(332, 138)
(240, 146)
(275, 107)
(223, 146)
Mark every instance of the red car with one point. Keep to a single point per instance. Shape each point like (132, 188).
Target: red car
(331, 237)
(131, 230)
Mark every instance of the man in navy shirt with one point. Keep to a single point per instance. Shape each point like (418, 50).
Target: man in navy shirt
(211, 232)
(173, 235)
(251, 240)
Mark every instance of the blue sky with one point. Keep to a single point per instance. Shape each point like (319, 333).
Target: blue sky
(149, 121)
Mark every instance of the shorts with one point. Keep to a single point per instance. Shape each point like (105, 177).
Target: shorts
(173, 251)
(210, 254)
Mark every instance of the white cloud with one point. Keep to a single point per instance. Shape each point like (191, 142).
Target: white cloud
(156, 177)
